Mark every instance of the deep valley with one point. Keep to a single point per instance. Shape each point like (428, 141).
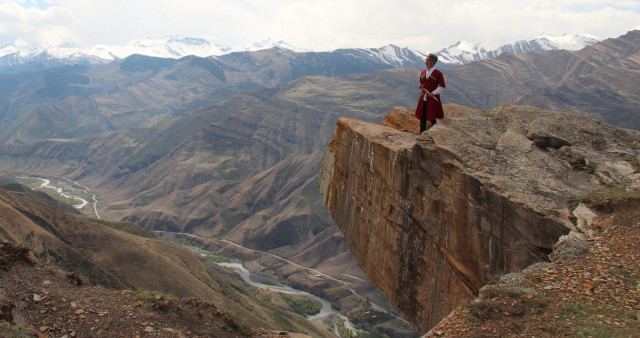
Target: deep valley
(205, 152)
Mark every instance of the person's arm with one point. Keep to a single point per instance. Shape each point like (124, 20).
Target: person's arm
(441, 84)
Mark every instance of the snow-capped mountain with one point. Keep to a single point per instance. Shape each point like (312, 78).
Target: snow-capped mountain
(463, 52)
(165, 47)
(266, 44)
(22, 53)
(396, 57)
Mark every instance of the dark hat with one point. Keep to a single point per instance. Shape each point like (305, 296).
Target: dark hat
(432, 57)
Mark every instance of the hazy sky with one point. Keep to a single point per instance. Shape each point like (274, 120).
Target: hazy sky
(313, 24)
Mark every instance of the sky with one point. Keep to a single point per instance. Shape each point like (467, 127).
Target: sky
(320, 25)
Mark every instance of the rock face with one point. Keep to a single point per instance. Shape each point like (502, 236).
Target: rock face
(482, 193)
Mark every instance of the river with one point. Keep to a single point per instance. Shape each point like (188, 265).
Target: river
(325, 312)
(245, 274)
(46, 183)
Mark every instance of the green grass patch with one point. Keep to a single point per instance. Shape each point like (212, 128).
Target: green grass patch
(592, 322)
(576, 162)
(13, 331)
(369, 318)
(301, 305)
(217, 259)
(237, 324)
(337, 292)
(610, 192)
(30, 181)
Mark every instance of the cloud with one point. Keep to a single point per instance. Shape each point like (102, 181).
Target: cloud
(430, 26)
(51, 26)
(313, 24)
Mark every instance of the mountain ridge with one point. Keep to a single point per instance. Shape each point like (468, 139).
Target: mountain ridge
(463, 52)
(14, 55)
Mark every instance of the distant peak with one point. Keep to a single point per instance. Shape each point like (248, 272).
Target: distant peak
(166, 40)
(270, 43)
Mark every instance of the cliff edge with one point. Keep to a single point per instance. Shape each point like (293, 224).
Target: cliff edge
(482, 193)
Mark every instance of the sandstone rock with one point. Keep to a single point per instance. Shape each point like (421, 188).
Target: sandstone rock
(402, 118)
(480, 194)
(584, 217)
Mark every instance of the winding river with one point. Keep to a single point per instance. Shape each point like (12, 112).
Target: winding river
(326, 311)
(46, 183)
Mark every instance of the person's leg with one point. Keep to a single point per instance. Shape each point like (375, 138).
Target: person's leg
(434, 122)
(423, 119)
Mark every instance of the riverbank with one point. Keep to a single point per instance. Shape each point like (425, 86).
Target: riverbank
(340, 294)
(64, 189)
(327, 313)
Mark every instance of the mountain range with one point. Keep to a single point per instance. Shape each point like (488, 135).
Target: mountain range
(21, 55)
(463, 52)
(230, 146)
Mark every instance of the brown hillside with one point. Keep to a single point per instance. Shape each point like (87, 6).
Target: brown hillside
(123, 256)
(44, 302)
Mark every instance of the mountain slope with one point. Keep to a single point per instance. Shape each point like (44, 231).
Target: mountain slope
(124, 256)
(68, 99)
(39, 298)
(250, 176)
(139, 91)
(600, 80)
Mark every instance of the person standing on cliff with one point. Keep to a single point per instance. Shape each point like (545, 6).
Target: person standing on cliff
(432, 84)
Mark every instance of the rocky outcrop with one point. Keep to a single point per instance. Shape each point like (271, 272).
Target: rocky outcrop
(482, 193)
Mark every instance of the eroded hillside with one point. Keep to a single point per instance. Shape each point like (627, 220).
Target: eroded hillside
(137, 272)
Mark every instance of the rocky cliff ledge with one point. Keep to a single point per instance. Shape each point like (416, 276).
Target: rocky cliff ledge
(481, 194)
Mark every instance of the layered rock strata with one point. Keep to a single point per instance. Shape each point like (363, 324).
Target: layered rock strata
(482, 193)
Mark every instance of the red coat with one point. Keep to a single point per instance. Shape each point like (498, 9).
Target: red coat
(434, 107)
